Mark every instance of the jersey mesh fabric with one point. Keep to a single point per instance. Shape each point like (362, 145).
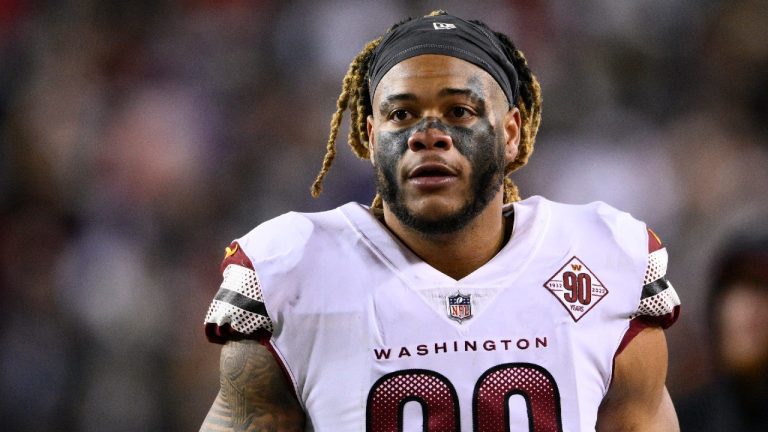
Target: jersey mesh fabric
(245, 282)
(238, 309)
(657, 266)
(659, 302)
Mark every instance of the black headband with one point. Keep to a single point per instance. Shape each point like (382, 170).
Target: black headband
(446, 35)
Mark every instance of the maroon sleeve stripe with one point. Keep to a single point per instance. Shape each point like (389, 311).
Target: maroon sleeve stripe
(235, 255)
(654, 242)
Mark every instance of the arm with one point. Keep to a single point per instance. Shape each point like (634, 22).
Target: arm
(254, 395)
(638, 399)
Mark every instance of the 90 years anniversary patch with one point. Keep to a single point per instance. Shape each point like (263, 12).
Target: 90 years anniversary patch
(576, 287)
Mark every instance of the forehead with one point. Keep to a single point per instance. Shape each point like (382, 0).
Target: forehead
(429, 73)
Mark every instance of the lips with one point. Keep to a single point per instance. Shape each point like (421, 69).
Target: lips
(432, 169)
(432, 174)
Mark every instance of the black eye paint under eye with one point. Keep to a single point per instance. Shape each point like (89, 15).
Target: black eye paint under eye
(481, 137)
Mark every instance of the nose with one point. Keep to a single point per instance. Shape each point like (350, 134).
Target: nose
(429, 137)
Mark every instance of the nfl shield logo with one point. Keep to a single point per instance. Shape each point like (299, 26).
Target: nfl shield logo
(459, 306)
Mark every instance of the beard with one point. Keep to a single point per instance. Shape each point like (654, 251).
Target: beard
(486, 157)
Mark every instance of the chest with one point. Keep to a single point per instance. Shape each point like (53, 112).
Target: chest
(374, 348)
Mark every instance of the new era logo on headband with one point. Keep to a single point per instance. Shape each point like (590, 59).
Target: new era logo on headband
(443, 26)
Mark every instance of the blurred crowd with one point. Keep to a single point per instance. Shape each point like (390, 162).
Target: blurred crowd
(138, 138)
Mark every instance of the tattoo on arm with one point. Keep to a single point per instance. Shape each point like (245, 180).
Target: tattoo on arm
(254, 395)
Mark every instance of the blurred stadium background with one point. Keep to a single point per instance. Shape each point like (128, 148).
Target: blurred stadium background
(138, 138)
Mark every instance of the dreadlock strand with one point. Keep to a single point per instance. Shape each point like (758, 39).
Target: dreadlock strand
(532, 94)
(511, 192)
(330, 148)
(377, 203)
(351, 106)
(529, 104)
(360, 142)
(358, 132)
(348, 97)
(362, 129)
(330, 154)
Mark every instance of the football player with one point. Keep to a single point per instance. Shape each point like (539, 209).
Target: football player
(449, 304)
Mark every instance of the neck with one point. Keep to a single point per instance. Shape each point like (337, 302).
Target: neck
(459, 253)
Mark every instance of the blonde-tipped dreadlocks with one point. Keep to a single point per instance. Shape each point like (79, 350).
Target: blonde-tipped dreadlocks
(355, 97)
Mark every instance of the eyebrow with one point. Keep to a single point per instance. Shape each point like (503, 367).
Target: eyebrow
(470, 94)
(387, 103)
(476, 98)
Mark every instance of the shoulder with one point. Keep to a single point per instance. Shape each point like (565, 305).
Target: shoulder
(283, 233)
(289, 233)
(622, 242)
(600, 214)
(596, 211)
(595, 221)
(256, 264)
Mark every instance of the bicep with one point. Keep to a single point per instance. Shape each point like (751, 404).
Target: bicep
(638, 399)
(254, 395)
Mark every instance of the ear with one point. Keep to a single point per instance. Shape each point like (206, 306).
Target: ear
(512, 129)
(371, 139)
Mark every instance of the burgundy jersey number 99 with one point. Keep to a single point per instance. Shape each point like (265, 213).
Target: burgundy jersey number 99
(490, 402)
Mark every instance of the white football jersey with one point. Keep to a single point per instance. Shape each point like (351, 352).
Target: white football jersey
(374, 339)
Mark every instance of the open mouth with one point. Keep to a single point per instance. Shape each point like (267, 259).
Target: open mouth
(432, 169)
(432, 174)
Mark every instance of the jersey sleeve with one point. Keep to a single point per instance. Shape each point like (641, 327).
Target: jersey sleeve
(659, 302)
(238, 311)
